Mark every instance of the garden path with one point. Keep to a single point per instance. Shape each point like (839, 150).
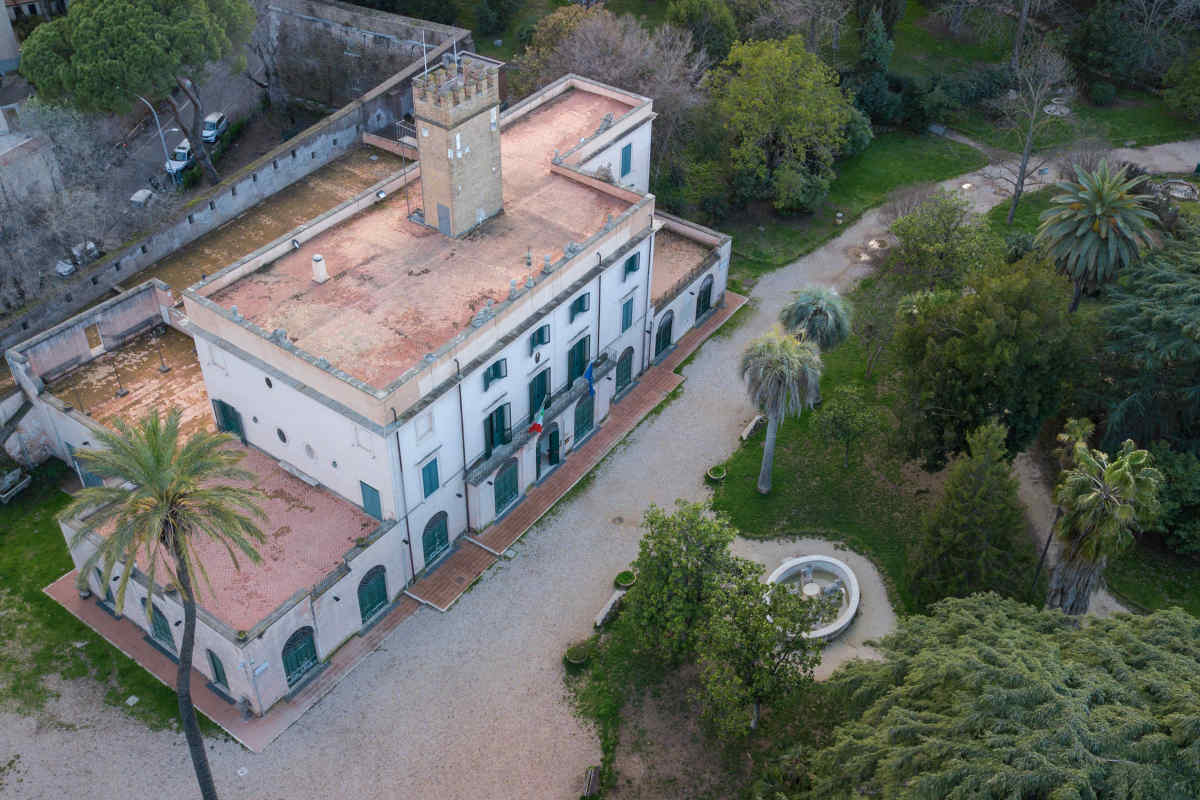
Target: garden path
(470, 703)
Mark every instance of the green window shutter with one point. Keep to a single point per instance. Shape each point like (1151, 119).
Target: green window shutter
(495, 372)
(429, 478)
(626, 159)
(577, 358)
(539, 389)
(579, 305)
(539, 337)
(633, 264)
(371, 504)
(218, 670)
(627, 315)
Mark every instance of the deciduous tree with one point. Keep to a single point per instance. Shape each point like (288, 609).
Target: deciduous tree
(786, 118)
(941, 241)
(710, 23)
(998, 347)
(847, 419)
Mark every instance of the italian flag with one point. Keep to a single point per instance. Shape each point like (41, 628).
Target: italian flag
(536, 427)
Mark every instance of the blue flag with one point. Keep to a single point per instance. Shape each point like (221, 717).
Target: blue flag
(587, 373)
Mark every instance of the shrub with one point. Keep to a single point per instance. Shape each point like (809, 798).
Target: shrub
(1180, 498)
(799, 190)
(1103, 93)
(858, 134)
(1017, 246)
(1183, 85)
(875, 98)
(190, 177)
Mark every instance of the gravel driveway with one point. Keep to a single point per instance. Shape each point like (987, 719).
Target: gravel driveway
(468, 704)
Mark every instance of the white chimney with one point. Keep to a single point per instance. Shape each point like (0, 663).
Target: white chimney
(320, 275)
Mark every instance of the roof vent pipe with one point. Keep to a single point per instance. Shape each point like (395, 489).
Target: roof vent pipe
(320, 274)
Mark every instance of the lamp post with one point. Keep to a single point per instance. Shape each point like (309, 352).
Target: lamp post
(162, 139)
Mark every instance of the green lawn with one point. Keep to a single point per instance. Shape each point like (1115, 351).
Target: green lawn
(1136, 117)
(1154, 579)
(922, 52)
(39, 637)
(874, 507)
(1028, 211)
(893, 160)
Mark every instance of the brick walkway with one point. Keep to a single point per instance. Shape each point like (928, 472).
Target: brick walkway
(254, 733)
(474, 554)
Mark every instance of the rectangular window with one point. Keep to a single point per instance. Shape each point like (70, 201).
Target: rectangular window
(632, 264)
(539, 337)
(539, 390)
(498, 370)
(579, 305)
(626, 160)
(429, 477)
(497, 429)
(577, 359)
(626, 315)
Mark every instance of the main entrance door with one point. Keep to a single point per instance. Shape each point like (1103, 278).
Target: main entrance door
(436, 537)
(625, 369)
(299, 655)
(161, 629)
(662, 339)
(229, 419)
(372, 593)
(506, 486)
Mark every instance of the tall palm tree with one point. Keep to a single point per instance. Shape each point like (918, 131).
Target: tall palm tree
(1103, 503)
(782, 374)
(820, 313)
(166, 495)
(1097, 228)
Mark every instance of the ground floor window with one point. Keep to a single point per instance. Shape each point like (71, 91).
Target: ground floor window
(507, 486)
(372, 593)
(625, 369)
(585, 417)
(160, 628)
(436, 537)
(218, 670)
(299, 655)
(662, 339)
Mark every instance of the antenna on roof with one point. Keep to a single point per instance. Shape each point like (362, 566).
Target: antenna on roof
(424, 51)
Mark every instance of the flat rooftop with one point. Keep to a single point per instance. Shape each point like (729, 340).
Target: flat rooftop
(308, 529)
(674, 257)
(398, 289)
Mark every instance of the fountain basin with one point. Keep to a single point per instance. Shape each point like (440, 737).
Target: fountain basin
(793, 568)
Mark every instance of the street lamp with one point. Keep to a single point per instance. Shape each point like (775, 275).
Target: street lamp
(162, 139)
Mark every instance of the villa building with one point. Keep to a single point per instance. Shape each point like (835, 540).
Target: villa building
(400, 370)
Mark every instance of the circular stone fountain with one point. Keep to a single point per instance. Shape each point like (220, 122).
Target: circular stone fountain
(878, 245)
(816, 575)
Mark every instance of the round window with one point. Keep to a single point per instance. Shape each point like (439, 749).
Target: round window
(267, 381)
(282, 436)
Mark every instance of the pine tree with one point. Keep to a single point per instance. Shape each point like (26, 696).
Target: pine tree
(975, 540)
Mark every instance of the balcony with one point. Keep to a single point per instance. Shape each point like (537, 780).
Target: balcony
(560, 400)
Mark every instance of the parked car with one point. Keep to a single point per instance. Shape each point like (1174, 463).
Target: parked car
(215, 124)
(181, 157)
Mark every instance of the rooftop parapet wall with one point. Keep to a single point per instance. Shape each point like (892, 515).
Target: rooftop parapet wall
(67, 345)
(450, 94)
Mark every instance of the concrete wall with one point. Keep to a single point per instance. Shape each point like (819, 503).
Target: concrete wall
(609, 156)
(331, 52)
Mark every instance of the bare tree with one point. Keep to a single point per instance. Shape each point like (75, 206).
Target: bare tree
(905, 200)
(1042, 73)
(1086, 153)
(1160, 29)
(819, 20)
(622, 52)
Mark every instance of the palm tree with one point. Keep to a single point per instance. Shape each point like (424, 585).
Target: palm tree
(1103, 502)
(782, 374)
(820, 313)
(164, 497)
(1098, 227)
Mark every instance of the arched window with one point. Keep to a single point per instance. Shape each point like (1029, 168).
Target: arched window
(625, 369)
(704, 297)
(372, 592)
(662, 339)
(507, 486)
(299, 655)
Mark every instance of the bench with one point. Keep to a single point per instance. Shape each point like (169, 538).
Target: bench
(610, 609)
(591, 782)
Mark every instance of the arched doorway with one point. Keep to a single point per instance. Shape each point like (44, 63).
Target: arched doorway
(585, 417)
(548, 449)
(662, 339)
(436, 538)
(160, 628)
(625, 369)
(506, 486)
(299, 655)
(372, 592)
(704, 297)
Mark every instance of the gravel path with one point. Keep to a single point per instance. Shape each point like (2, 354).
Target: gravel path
(471, 703)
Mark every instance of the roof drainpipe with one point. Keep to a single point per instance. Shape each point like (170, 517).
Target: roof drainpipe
(412, 565)
(462, 436)
(648, 320)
